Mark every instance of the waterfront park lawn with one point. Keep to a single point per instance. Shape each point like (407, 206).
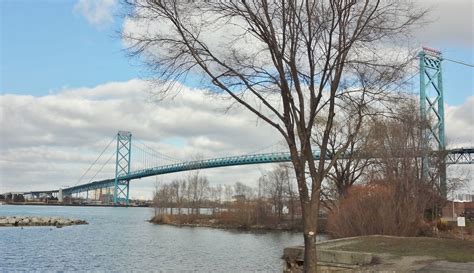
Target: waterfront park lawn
(444, 249)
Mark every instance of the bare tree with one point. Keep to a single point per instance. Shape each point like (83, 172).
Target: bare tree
(202, 191)
(228, 192)
(291, 192)
(243, 190)
(397, 148)
(275, 186)
(179, 188)
(288, 62)
(193, 179)
(189, 195)
(199, 187)
(244, 194)
(219, 190)
(348, 128)
(397, 142)
(397, 197)
(162, 198)
(215, 194)
(155, 197)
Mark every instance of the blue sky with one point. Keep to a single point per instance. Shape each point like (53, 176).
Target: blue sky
(48, 45)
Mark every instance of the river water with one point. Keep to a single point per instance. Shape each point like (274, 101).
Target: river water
(121, 239)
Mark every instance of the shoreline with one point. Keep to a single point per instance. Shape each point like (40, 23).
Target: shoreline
(230, 227)
(208, 221)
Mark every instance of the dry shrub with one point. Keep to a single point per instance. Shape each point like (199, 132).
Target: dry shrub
(380, 208)
(241, 213)
(162, 219)
(470, 227)
(247, 214)
(226, 218)
(443, 225)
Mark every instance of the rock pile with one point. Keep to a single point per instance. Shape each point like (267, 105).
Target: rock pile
(9, 221)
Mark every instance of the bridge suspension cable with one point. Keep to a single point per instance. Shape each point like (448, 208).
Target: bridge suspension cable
(95, 161)
(458, 62)
(145, 157)
(102, 167)
(270, 147)
(155, 151)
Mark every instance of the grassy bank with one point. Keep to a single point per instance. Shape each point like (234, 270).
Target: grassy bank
(443, 249)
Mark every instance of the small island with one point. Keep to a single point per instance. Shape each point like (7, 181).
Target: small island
(21, 221)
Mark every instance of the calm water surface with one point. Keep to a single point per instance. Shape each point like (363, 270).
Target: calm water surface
(119, 239)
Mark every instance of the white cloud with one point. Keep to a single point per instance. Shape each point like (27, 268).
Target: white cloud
(48, 142)
(97, 12)
(460, 124)
(450, 23)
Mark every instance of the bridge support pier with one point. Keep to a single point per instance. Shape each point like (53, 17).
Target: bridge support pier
(432, 113)
(122, 167)
(60, 195)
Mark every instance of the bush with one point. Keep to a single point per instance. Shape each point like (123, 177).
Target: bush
(378, 208)
(443, 225)
(162, 219)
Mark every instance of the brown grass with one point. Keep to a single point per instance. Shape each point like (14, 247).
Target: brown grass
(445, 249)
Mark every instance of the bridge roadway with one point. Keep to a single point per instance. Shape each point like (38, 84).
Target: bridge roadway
(187, 166)
(455, 156)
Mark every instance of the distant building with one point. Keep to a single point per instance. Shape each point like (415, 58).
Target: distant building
(464, 197)
(456, 209)
(239, 197)
(106, 198)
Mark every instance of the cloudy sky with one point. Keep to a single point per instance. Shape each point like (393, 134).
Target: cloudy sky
(67, 86)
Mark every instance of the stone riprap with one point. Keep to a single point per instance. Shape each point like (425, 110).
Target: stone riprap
(13, 221)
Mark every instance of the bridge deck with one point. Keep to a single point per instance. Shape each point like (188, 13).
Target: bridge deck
(455, 156)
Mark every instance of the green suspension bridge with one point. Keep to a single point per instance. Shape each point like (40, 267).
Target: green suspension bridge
(431, 107)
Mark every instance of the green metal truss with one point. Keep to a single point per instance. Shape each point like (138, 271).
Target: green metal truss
(432, 112)
(122, 167)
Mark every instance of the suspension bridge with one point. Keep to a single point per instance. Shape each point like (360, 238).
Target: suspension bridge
(124, 174)
(153, 163)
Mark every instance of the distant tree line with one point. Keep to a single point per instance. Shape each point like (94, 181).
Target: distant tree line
(273, 200)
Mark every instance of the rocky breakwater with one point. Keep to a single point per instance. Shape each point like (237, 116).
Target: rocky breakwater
(20, 221)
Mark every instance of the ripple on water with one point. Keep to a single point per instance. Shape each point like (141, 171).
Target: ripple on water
(120, 239)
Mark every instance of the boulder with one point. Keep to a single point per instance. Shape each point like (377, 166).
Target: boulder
(62, 222)
(79, 222)
(12, 220)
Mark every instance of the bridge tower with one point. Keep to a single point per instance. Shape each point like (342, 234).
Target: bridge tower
(432, 111)
(122, 167)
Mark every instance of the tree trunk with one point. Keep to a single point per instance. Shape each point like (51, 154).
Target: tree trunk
(310, 221)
